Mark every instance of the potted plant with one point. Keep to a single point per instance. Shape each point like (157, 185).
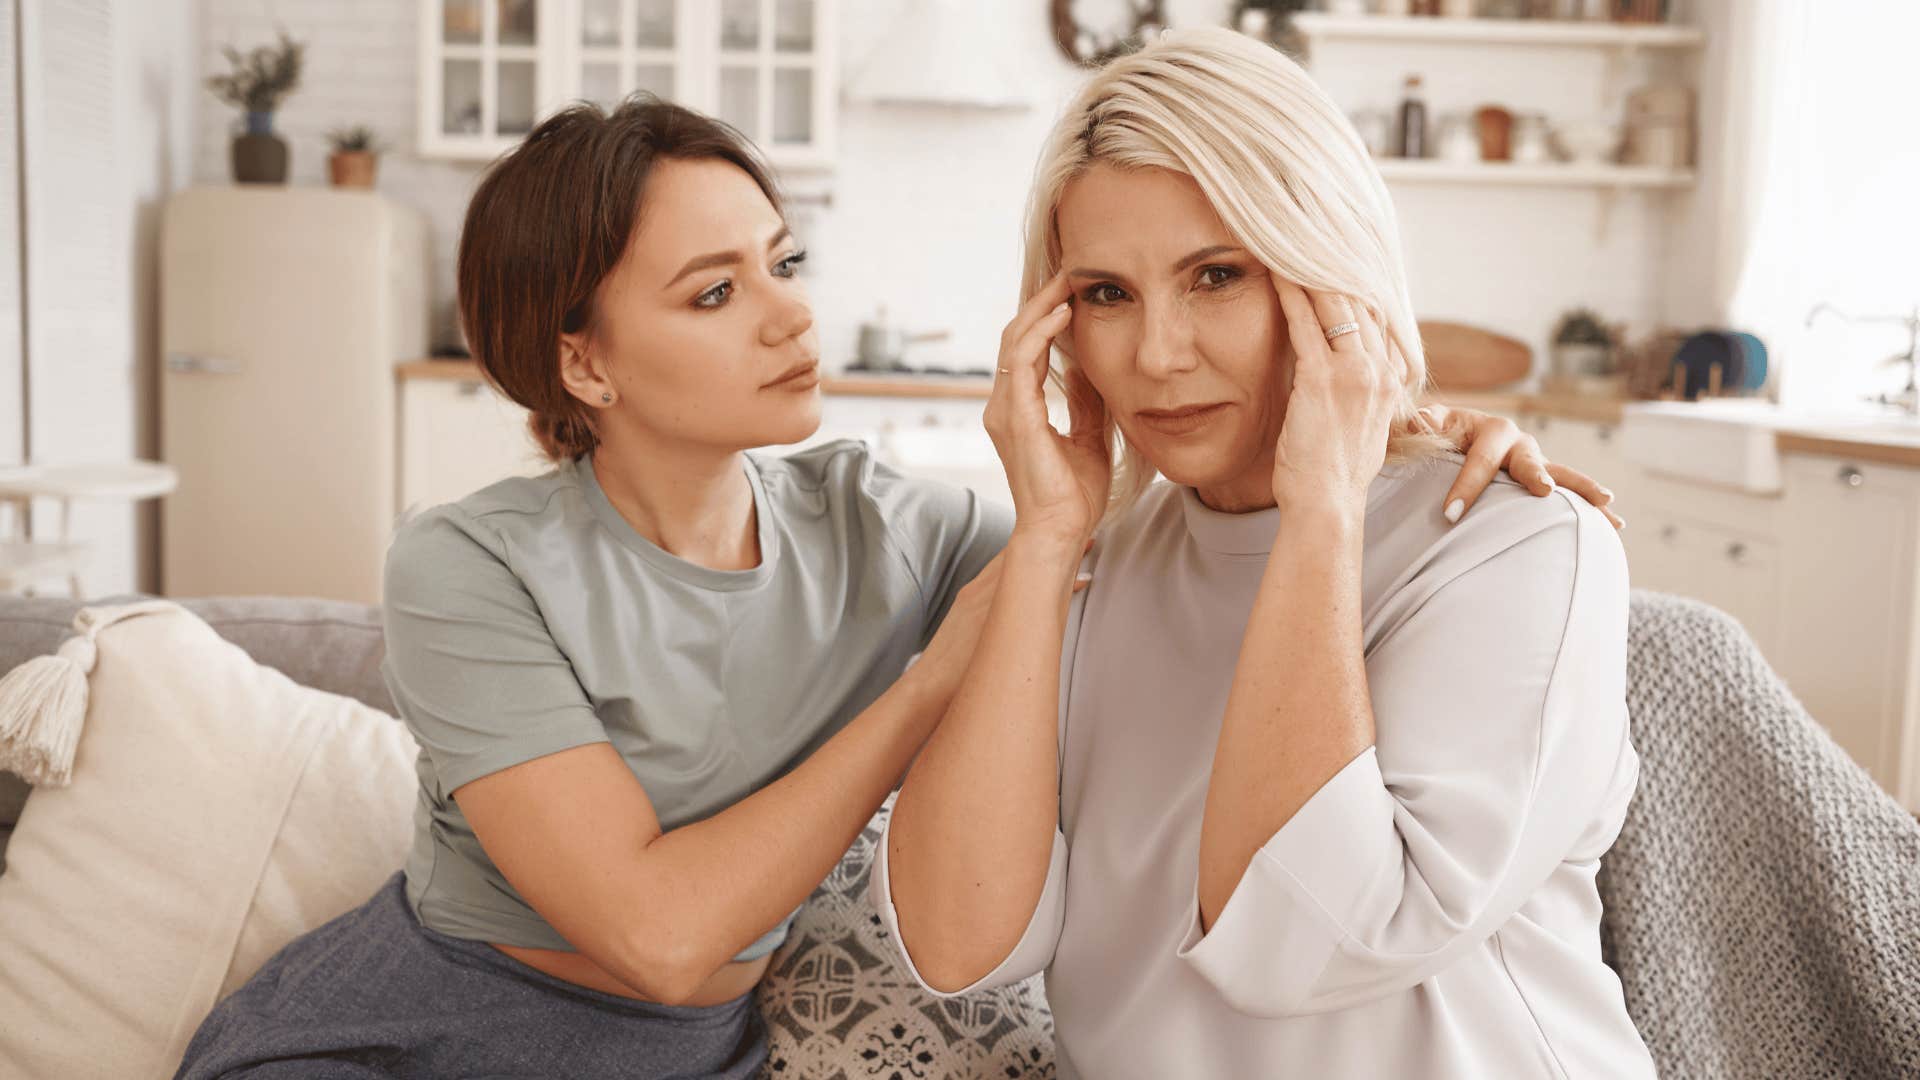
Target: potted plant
(1583, 346)
(355, 157)
(257, 82)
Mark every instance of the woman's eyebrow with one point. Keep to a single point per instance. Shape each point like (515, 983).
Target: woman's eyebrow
(722, 258)
(1198, 256)
(1208, 253)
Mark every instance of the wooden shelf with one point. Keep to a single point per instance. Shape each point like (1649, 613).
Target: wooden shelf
(1551, 174)
(1474, 31)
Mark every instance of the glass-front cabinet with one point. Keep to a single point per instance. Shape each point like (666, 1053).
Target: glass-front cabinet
(490, 69)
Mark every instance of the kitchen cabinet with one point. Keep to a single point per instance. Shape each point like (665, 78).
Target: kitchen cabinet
(1720, 546)
(1590, 446)
(491, 69)
(459, 435)
(1824, 575)
(1851, 533)
(456, 437)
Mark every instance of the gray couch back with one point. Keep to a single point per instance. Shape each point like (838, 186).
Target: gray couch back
(324, 644)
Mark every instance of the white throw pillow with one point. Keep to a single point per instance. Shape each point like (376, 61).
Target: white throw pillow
(217, 811)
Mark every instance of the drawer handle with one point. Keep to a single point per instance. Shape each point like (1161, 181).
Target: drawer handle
(471, 389)
(1737, 552)
(1605, 434)
(1852, 477)
(1668, 532)
(189, 364)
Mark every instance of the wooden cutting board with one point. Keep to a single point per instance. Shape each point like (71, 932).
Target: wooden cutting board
(1462, 357)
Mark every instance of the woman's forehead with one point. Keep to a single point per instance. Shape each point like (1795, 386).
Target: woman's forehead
(1136, 213)
(690, 207)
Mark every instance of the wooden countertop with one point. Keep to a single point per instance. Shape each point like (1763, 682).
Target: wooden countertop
(1515, 402)
(1599, 410)
(451, 368)
(913, 386)
(1828, 443)
(1853, 447)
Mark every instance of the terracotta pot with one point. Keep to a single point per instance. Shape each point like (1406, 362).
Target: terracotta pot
(353, 168)
(1496, 129)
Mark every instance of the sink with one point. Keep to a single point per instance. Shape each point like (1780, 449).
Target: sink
(1726, 443)
(1731, 442)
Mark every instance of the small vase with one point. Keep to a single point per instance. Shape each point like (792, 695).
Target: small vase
(259, 156)
(353, 168)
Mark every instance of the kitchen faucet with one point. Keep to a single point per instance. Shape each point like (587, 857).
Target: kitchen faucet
(1907, 400)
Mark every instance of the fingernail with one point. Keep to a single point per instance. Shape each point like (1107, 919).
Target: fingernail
(1606, 493)
(1551, 486)
(1455, 509)
(1060, 307)
(1619, 522)
(1083, 577)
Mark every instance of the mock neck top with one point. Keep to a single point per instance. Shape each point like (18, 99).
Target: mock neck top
(1431, 910)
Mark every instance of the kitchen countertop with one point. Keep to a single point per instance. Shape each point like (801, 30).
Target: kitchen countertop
(1880, 446)
(1515, 402)
(959, 386)
(1889, 442)
(856, 385)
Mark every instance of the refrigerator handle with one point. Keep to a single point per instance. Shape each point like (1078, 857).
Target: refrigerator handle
(187, 363)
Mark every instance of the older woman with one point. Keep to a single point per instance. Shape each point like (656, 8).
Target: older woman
(1319, 783)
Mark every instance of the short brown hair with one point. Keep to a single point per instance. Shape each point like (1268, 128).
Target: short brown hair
(548, 222)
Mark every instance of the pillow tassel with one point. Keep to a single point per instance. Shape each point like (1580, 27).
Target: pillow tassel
(43, 702)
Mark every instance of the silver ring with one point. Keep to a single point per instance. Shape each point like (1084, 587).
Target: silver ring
(1343, 328)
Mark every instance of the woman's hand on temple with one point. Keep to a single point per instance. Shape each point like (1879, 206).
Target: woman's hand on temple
(1493, 443)
(1333, 439)
(1059, 482)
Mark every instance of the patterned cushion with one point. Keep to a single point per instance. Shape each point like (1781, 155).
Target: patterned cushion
(839, 1008)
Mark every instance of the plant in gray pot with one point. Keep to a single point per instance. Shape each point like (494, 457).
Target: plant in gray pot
(257, 83)
(1582, 346)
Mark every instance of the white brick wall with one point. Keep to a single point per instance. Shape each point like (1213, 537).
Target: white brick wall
(360, 69)
(929, 226)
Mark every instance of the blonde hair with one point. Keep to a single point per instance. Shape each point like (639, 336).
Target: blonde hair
(1279, 163)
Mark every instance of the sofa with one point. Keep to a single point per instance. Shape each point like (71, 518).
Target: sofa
(1763, 901)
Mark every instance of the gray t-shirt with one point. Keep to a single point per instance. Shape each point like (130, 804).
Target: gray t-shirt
(530, 618)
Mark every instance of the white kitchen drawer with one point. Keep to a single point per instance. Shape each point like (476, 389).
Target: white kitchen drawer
(1736, 571)
(456, 437)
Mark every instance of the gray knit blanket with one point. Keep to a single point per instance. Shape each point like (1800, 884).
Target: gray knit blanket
(1763, 900)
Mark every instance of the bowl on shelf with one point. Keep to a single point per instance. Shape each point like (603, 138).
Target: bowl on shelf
(1591, 143)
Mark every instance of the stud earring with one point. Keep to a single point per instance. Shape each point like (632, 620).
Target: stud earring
(606, 399)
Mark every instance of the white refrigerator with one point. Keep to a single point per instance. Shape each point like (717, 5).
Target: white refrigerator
(283, 313)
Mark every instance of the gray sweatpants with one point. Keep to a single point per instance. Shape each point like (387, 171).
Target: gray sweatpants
(375, 994)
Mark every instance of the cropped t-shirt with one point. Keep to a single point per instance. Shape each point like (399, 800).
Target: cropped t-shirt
(530, 618)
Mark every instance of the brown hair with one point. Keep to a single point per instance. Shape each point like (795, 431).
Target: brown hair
(548, 222)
